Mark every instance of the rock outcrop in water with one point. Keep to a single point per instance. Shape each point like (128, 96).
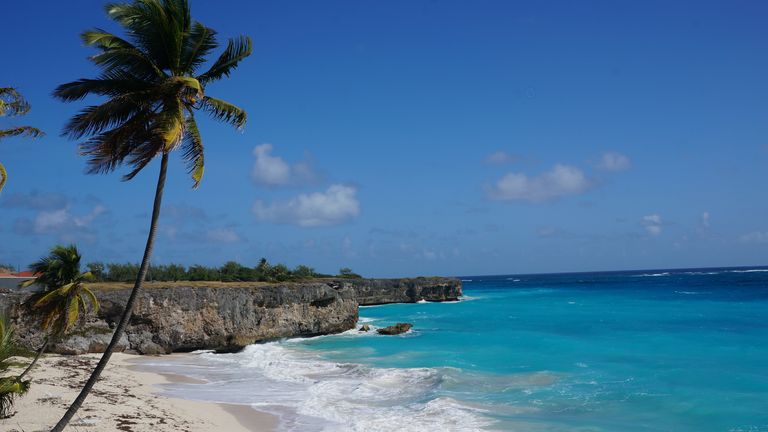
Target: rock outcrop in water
(227, 318)
(396, 329)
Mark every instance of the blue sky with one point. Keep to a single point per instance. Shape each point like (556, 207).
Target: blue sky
(426, 138)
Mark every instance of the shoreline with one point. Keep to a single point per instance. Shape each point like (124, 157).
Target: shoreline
(126, 398)
(248, 417)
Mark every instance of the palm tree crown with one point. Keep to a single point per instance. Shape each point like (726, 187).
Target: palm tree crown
(12, 103)
(154, 86)
(64, 297)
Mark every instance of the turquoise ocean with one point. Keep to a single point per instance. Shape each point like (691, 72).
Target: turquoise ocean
(662, 350)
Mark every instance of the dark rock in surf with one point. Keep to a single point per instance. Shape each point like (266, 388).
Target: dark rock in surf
(396, 329)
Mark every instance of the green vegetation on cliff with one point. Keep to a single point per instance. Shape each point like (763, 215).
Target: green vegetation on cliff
(231, 271)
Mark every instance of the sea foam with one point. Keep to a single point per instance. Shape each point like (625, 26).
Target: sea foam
(313, 394)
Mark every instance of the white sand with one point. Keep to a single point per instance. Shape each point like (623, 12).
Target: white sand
(124, 399)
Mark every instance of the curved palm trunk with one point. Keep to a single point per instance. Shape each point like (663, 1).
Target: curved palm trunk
(128, 306)
(37, 357)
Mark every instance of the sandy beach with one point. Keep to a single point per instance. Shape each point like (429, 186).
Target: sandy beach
(126, 399)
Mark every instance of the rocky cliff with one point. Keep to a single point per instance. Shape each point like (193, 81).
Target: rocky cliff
(382, 291)
(226, 318)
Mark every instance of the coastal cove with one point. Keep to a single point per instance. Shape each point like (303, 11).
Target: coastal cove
(630, 351)
(390, 216)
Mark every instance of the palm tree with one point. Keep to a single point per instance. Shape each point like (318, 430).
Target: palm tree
(154, 87)
(13, 104)
(59, 306)
(10, 387)
(64, 298)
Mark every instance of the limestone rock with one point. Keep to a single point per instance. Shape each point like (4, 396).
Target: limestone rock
(227, 318)
(166, 320)
(396, 329)
(93, 342)
(382, 291)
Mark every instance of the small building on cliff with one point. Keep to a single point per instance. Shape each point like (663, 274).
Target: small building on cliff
(10, 281)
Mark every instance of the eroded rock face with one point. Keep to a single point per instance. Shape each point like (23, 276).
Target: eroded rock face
(382, 291)
(185, 319)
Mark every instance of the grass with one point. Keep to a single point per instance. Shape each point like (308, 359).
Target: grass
(219, 284)
(179, 284)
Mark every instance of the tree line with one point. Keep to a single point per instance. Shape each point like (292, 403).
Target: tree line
(231, 271)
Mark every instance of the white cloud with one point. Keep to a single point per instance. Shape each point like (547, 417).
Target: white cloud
(500, 157)
(653, 230)
(652, 219)
(47, 221)
(545, 232)
(429, 255)
(269, 169)
(223, 235)
(705, 220)
(86, 220)
(652, 224)
(754, 237)
(62, 219)
(274, 171)
(560, 181)
(613, 161)
(336, 205)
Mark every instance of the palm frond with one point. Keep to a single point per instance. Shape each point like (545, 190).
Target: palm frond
(12, 103)
(98, 118)
(59, 267)
(73, 313)
(10, 389)
(169, 124)
(201, 41)
(237, 50)
(79, 89)
(225, 111)
(128, 60)
(46, 298)
(105, 40)
(51, 317)
(6, 337)
(3, 176)
(108, 150)
(24, 131)
(95, 305)
(142, 155)
(157, 28)
(141, 21)
(117, 54)
(193, 151)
